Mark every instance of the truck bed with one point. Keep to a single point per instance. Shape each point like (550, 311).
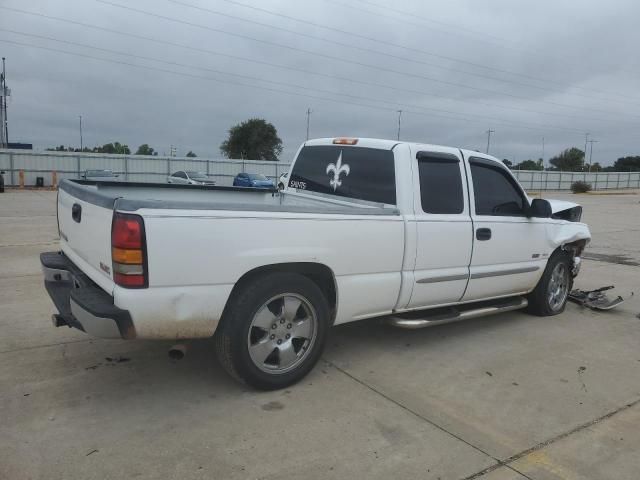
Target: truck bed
(130, 196)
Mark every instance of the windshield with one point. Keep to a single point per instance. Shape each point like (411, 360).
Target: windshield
(256, 176)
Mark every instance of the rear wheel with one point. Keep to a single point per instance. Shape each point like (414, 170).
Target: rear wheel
(273, 331)
(550, 295)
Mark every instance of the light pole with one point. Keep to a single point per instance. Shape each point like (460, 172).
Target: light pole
(489, 132)
(586, 140)
(308, 120)
(81, 146)
(399, 122)
(591, 142)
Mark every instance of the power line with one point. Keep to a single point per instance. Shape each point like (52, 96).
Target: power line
(286, 92)
(286, 67)
(289, 85)
(350, 62)
(377, 52)
(459, 31)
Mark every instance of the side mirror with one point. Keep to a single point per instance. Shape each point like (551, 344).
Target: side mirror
(539, 208)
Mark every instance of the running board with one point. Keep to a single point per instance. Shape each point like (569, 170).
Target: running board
(430, 318)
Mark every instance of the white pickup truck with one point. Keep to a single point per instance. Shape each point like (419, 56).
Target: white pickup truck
(411, 233)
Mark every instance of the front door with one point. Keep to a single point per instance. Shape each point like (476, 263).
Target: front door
(508, 248)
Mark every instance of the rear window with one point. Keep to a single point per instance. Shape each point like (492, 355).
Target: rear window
(352, 172)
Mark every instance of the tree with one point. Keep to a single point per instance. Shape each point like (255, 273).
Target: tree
(508, 163)
(254, 139)
(627, 164)
(571, 160)
(596, 167)
(115, 147)
(529, 165)
(145, 149)
(190, 154)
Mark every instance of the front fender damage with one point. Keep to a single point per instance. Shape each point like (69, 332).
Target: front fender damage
(572, 238)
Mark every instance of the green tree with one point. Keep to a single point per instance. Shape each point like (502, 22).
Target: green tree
(190, 154)
(596, 167)
(145, 149)
(571, 160)
(115, 147)
(627, 164)
(508, 163)
(255, 139)
(529, 165)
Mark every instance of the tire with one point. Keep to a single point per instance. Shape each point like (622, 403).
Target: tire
(550, 295)
(273, 330)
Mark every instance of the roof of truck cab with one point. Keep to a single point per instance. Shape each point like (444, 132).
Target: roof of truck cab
(386, 144)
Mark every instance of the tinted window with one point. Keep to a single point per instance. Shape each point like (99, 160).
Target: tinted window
(353, 172)
(179, 175)
(256, 176)
(495, 191)
(440, 184)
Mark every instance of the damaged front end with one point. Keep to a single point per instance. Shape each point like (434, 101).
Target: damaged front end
(573, 236)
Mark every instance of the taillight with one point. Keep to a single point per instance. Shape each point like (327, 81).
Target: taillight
(128, 251)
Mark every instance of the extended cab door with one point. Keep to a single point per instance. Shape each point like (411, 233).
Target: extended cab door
(508, 247)
(443, 226)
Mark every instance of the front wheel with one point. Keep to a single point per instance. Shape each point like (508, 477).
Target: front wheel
(273, 331)
(550, 295)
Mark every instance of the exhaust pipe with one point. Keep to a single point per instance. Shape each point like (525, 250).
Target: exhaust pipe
(177, 352)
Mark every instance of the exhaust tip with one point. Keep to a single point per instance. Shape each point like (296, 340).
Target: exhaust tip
(177, 352)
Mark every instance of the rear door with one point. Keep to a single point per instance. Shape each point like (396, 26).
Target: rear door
(508, 250)
(443, 226)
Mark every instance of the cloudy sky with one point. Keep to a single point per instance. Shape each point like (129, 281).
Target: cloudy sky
(182, 72)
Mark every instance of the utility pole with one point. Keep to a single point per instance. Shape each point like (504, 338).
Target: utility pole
(172, 151)
(4, 93)
(309, 111)
(81, 149)
(591, 153)
(542, 153)
(489, 132)
(399, 122)
(586, 140)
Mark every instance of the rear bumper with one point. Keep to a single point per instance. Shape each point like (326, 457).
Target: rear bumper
(81, 303)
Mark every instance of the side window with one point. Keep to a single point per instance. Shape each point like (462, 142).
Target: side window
(440, 183)
(495, 192)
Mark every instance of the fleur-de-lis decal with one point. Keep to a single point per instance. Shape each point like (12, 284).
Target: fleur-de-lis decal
(337, 168)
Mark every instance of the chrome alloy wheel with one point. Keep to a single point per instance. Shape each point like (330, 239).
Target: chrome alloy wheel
(282, 332)
(558, 287)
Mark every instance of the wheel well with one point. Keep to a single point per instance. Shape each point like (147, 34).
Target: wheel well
(318, 273)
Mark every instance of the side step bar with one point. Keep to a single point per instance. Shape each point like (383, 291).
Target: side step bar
(430, 318)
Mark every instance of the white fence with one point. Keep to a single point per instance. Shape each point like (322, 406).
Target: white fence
(138, 168)
(543, 180)
(133, 168)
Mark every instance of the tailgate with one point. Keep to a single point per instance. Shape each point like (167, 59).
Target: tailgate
(85, 236)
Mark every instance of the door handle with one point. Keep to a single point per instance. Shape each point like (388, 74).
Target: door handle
(76, 212)
(483, 233)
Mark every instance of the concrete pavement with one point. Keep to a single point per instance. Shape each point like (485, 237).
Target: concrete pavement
(508, 397)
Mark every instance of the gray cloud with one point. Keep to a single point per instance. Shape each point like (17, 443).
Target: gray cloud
(554, 70)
